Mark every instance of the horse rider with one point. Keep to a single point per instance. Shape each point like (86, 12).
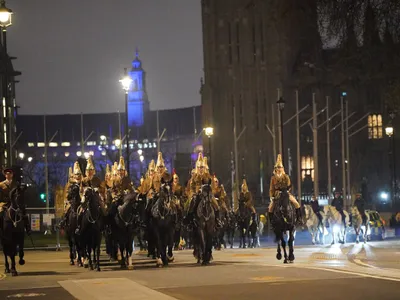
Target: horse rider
(360, 204)
(91, 181)
(337, 202)
(161, 173)
(199, 177)
(74, 177)
(220, 194)
(316, 208)
(177, 189)
(281, 181)
(6, 187)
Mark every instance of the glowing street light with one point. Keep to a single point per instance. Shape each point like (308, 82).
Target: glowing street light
(126, 82)
(21, 155)
(117, 143)
(103, 138)
(209, 131)
(141, 157)
(140, 151)
(30, 158)
(79, 153)
(5, 15)
(389, 130)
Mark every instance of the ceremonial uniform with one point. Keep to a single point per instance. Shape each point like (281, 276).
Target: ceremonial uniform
(220, 195)
(316, 208)
(245, 196)
(337, 202)
(90, 181)
(279, 182)
(360, 204)
(200, 177)
(6, 187)
(161, 174)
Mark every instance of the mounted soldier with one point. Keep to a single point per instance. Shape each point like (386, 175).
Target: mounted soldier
(6, 187)
(245, 196)
(281, 181)
(200, 177)
(220, 194)
(360, 204)
(90, 181)
(161, 173)
(337, 202)
(74, 177)
(316, 208)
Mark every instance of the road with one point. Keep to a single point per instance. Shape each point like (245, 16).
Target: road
(355, 271)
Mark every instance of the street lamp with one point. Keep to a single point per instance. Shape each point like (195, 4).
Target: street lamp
(103, 138)
(30, 158)
(281, 107)
(389, 130)
(126, 82)
(209, 131)
(21, 155)
(5, 21)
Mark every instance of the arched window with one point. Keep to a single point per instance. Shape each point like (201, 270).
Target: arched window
(307, 167)
(375, 128)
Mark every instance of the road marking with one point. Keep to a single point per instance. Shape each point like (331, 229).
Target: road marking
(344, 272)
(266, 278)
(2, 276)
(245, 254)
(359, 262)
(26, 295)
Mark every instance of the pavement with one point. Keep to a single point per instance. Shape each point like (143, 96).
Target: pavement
(356, 271)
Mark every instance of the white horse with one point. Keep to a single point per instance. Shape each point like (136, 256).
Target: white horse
(315, 228)
(358, 225)
(336, 224)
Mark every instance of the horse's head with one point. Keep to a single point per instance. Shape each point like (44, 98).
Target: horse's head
(18, 199)
(206, 188)
(307, 211)
(354, 211)
(166, 189)
(74, 193)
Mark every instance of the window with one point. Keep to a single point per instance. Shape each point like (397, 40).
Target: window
(262, 40)
(91, 143)
(375, 129)
(254, 43)
(40, 144)
(65, 144)
(237, 42)
(53, 144)
(229, 43)
(307, 167)
(256, 117)
(240, 111)
(31, 145)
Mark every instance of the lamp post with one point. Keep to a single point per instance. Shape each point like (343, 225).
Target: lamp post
(5, 21)
(389, 130)
(281, 107)
(126, 82)
(209, 131)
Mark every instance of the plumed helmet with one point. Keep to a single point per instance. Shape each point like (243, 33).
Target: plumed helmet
(160, 160)
(121, 165)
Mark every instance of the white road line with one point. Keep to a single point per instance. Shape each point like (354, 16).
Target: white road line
(359, 262)
(343, 272)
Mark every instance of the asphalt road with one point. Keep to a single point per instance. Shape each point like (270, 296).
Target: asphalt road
(354, 271)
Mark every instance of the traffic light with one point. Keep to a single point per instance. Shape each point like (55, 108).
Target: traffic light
(43, 197)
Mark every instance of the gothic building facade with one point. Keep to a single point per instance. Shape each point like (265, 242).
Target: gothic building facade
(258, 51)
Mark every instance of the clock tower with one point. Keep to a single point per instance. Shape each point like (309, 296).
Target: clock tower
(138, 102)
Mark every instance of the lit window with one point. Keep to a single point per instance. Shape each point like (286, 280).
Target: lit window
(31, 144)
(91, 143)
(375, 128)
(40, 144)
(65, 144)
(53, 144)
(307, 167)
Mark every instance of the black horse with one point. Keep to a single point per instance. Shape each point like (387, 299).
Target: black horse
(163, 221)
(219, 239)
(75, 250)
(140, 228)
(231, 227)
(92, 226)
(253, 229)
(284, 220)
(205, 229)
(13, 230)
(123, 227)
(243, 217)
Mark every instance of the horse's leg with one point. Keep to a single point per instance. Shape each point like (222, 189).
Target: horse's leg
(13, 265)
(6, 265)
(284, 249)
(278, 249)
(290, 243)
(21, 244)
(90, 254)
(171, 246)
(71, 251)
(98, 255)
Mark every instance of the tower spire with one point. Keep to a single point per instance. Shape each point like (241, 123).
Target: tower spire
(137, 53)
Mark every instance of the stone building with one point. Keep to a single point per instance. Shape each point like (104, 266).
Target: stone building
(256, 51)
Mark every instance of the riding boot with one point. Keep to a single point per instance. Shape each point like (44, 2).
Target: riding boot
(78, 227)
(351, 220)
(27, 225)
(270, 216)
(218, 222)
(299, 217)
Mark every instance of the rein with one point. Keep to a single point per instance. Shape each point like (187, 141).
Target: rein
(15, 221)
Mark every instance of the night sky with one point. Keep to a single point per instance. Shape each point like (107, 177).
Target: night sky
(72, 52)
